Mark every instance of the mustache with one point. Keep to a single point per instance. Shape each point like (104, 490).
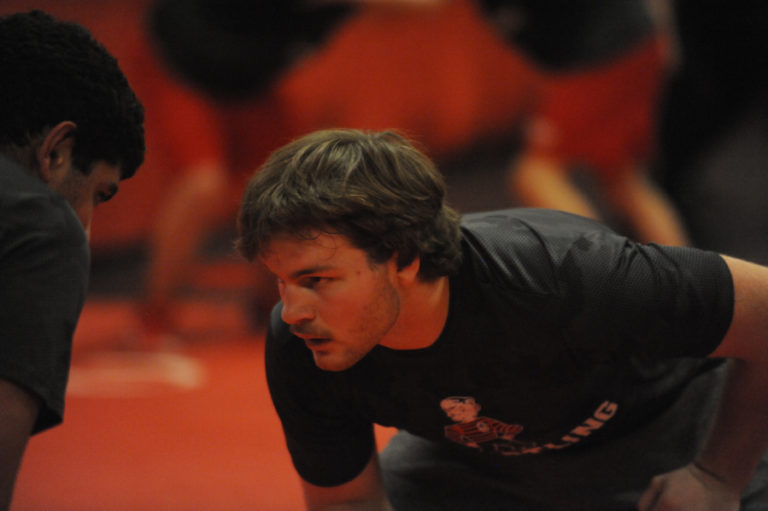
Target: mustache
(307, 330)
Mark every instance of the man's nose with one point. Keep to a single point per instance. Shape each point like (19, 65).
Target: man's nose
(296, 306)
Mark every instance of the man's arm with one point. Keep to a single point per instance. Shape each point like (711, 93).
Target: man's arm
(18, 412)
(363, 493)
(739, 437)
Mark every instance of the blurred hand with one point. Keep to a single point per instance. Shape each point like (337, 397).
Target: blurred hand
(689, 489)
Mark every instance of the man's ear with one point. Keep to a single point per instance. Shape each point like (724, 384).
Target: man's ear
(409, 272)
(55, 151)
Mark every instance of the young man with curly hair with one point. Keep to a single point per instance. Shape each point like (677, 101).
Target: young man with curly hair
(71, 129)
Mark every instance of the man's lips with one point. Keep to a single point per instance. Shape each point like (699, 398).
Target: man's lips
(311, 340)
(316, 342)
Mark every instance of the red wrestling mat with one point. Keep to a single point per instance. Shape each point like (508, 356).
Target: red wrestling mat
(189, 429)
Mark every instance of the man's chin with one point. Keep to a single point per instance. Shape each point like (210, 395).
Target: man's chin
(331, 362)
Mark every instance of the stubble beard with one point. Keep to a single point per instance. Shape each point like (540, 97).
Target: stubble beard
(376, 320)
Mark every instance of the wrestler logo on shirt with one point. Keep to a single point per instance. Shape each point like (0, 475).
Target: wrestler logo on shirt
(491, 435)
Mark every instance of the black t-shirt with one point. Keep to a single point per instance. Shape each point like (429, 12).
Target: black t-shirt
(560, 333)
(44, 260)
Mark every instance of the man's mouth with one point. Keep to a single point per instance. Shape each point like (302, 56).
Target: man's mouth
(315, 343)
(311, 340)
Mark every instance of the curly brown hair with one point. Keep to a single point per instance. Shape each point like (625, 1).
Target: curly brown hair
(375, 188)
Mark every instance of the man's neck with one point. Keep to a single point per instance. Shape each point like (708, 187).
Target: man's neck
(423, 313)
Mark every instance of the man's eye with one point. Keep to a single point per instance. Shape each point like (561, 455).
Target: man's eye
(105, 193)
(311, 282)
(103, 197)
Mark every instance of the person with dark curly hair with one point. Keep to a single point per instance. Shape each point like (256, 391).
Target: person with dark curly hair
(71, 129)
(531, 358)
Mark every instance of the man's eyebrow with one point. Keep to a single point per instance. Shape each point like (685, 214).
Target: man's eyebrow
(308, 271)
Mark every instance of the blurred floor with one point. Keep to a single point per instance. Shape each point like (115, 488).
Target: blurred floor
(190, 428)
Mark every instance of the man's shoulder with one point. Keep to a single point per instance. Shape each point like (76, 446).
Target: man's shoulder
(29, 206)
(538, 219)
(529, 235)
(531, 252)
(16, 181)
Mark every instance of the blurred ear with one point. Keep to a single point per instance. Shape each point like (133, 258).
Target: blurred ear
(55, 152)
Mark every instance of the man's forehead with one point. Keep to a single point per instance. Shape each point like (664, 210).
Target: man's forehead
(306, 240)
(296, 253)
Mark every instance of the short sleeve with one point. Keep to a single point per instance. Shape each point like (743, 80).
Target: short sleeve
(44, 261)
(646, 300)
(599, 295)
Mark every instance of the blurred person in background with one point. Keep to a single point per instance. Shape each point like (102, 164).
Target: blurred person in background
(218, 117)
(601, 68)
(584, 81)
(71, 128)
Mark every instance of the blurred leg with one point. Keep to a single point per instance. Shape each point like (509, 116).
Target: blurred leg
(646, 208)
(541, 182)
(195, 203)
